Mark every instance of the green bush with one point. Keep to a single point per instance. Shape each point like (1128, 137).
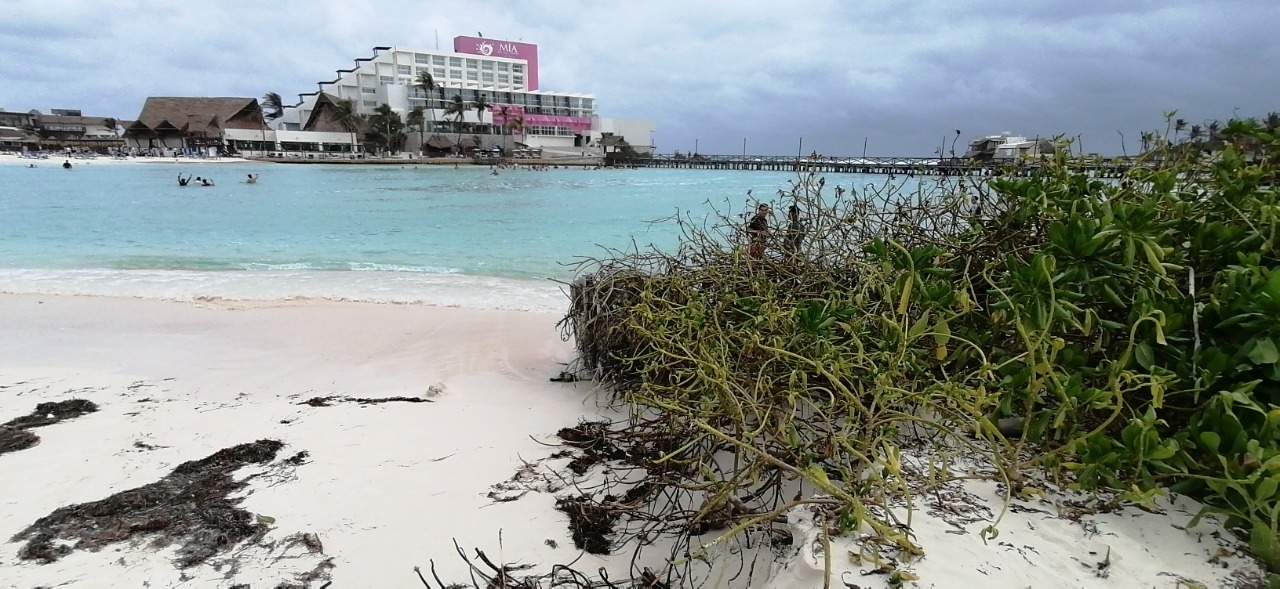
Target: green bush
(1128, 328)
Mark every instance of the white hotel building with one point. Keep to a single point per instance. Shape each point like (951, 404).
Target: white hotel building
(505, 73)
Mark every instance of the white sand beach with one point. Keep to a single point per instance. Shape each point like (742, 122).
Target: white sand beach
(388, 487)
(55, 160)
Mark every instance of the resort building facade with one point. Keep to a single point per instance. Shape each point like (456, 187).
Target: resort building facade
(487, 98)
(61, 129)
(502, 74)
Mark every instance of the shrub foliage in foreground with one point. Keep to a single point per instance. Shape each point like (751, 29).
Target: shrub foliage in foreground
(1128, 330)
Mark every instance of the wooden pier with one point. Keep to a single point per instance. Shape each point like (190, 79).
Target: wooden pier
(905, 166)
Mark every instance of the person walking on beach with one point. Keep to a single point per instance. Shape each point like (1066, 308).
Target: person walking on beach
(758, 231)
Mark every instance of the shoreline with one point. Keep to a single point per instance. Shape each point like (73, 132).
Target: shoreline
(11, 158)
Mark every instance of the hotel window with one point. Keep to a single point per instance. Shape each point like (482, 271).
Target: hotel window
(438, 73)
(420, 58)
(385, 80)
(504, 79)
(404, 70)
(455, 62)
(517, 80)
(487, 65)
(504, 67)
(472, 75)
(369, 90)
(455, 74)
(517, 68)
(437, 60)
(371, 103)
(473, 64)
(487, 77)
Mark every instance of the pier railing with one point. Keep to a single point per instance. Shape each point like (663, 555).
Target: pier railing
(869, 165)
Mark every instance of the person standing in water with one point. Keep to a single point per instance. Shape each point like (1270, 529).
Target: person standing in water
(183, 181)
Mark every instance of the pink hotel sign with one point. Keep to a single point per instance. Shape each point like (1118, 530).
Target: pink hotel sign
(497, 48)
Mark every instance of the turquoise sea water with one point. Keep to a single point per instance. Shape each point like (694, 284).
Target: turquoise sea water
(430, 234)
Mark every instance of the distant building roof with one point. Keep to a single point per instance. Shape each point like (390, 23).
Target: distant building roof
(439, 142)
(322, 117)
(12, 135)
(200, 115)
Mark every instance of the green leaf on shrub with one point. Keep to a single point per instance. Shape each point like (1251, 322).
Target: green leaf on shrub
(1145, 355)
(1264, 352)
(1211, 440)
(1266, 489)
(1264, 544)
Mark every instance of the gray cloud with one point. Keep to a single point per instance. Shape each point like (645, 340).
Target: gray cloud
(903, 76)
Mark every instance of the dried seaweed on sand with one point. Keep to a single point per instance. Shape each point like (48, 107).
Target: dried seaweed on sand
(192, 506)
(13, 434)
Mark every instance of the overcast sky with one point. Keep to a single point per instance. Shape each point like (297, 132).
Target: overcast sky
(904, 76)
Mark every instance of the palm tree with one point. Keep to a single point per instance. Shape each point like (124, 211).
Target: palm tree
(272, 109)
(480, 105)
(1272, 121)
(428, 85)
(1151, 140)
(344, 113)
(387, 126)
(1178, 126)
(458, 109)
(416, 120)
(504, 111)
(1213, 127)
(515, 126)
(1195, 134)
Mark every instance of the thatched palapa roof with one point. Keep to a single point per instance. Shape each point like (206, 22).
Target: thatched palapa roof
(15, 135)
(611, 140)
(439, 142)
(322, 116)
(197, 115)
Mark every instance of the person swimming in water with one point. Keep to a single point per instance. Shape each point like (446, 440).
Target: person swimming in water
(251, 179)
(183, 181)
(205, 181)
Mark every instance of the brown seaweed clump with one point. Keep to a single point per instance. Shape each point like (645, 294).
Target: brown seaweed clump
(13, 434)
(590, 524)
(13, 439)
(190, 506)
